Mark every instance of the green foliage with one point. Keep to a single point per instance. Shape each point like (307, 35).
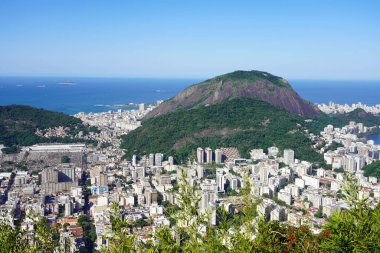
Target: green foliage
(105, 145)
(140, 223)
(89, 232)
(65, 159)
(10, 150)
(244, 123)
(339, 170)
(372, 170)
(356, 229)
(334, 146)
(44, 238)
(252, 76)
(19, 123)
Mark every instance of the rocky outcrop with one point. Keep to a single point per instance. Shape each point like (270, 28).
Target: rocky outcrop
(255, 84)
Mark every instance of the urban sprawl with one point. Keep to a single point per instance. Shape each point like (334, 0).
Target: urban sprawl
(64, 182)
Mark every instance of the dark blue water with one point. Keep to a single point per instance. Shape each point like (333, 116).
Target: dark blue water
(374, 137)
(72, 95)
(340, 92)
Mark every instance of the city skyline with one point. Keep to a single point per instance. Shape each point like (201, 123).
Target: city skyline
(318, 40)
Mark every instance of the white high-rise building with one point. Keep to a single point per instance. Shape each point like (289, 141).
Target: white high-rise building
(171, 160)
(218, 156)
(220, 180)
(264, 175)
(289, 156)
(142, 107)
(140, 172)
(208, 152)
(200, 171)
(134, 160)
(151, 159)
(200, 155)
(158, 159)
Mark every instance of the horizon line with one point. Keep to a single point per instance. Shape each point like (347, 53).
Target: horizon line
(172, 77)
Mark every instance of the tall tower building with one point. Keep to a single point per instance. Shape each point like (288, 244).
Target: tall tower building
(151, 159)
(134, 160)
(142, 107)
(208, 152)
(220, 180)
(200, 171)
(200, 155)
(218, 156)
(171, 160)
(158, 159)
(288, 156)
(264, 175)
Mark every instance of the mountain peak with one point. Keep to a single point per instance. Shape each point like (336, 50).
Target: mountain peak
(254, 84)
(253, 76)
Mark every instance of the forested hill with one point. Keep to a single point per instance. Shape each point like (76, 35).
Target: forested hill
(18, 124)
(242, 122)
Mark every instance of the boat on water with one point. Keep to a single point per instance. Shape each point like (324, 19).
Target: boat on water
(67, 83)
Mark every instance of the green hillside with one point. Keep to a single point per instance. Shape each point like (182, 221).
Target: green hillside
(245, 123)
(18, 124)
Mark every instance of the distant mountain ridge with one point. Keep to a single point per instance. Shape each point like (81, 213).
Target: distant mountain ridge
(252, 84)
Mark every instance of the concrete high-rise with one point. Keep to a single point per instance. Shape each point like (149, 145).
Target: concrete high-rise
(171, 160)
(142, 107)
(200, 155)
(151, 159)
(158, 159)
(264, 175)
(218, 156)
(220, 180)
(288, 156)
(208, 152)
(200, 171)
(134, 160)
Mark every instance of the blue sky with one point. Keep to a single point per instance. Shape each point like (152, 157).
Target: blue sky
(321, 39)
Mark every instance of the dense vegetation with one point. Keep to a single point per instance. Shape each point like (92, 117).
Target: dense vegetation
(372, 170)
(16, 240)
(18, 124)
(244, 123)
(252, 76)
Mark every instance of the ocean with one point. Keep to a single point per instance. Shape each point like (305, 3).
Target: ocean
(374, 137)
(73, 95)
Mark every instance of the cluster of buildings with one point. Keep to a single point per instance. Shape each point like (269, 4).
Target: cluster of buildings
(51, 191)
(333, 108)
(96, 180)
(208, 156)
(354, 153)
(60, 132)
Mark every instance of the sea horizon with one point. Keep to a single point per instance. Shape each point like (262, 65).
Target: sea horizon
(71, 95)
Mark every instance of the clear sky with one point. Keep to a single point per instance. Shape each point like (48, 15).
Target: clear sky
(324, 39)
